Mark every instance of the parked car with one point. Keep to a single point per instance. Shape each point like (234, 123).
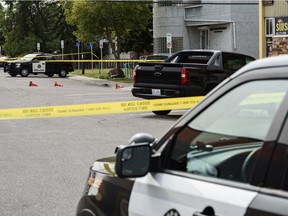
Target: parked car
(35, 63)
(157, 57)
(226, 156)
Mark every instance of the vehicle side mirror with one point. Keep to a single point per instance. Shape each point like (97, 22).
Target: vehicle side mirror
(133, 160)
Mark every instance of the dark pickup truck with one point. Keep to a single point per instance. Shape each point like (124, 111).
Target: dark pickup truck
(186, 73)
(35, 63)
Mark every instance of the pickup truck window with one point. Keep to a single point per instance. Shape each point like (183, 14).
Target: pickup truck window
(196, 59)
(233, 62)
(191, 57)
(224, 140)
(174, 60)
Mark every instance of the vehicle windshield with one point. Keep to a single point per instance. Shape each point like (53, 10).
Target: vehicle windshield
(236, 113)
(29, 57)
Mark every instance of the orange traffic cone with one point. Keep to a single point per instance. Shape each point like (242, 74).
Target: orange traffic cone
(32, 84)
(58, 84)
(119, 86)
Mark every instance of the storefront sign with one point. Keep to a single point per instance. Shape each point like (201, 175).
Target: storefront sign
(281, 26)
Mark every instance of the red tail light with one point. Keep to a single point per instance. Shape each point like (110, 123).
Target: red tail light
(134, 73)
(184, 76)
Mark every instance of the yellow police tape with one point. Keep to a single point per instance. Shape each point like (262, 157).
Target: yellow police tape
(81, 60)
(99, 108)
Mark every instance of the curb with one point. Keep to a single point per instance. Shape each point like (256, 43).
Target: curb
(99, 82)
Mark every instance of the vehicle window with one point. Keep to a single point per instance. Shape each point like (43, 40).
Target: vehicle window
(28, 57)
(49, 58)
(233, 62)
(197, 58)
(173, 60)
(39, 58)
(156, 57)
(249, 59)
(223, 141)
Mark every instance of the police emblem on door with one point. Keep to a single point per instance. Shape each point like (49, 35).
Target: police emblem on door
(39, 67)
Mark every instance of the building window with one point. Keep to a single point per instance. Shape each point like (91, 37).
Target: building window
(164, 3)
(269, 26)
(160, 45)
(167, 3)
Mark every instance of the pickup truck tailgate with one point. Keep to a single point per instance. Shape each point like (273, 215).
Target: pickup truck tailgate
(164, 73)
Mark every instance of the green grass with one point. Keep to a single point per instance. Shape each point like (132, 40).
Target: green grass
(95, 73)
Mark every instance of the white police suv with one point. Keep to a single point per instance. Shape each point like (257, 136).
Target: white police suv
(226, 156)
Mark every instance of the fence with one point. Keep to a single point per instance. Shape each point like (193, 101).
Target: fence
(126, 65)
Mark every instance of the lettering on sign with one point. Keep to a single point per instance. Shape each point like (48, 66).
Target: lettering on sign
(281, 26)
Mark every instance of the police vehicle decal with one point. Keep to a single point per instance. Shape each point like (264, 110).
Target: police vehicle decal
(39, 67)
(159, 193)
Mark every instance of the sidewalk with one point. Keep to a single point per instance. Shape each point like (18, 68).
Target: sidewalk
(99, 82)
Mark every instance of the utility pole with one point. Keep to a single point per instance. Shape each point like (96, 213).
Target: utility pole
(82, 63)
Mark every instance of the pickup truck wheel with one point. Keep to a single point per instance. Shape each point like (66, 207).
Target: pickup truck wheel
(162, 112)
(62, 73)
(50, 74)
(13, 75)
(24, 72)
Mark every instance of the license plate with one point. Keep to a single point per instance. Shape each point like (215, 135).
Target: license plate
(156, 92)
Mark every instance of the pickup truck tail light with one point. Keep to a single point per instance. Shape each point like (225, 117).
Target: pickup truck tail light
(134, 73)
(184, 76)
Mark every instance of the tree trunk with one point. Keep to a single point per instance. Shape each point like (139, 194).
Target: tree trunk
(118, 50)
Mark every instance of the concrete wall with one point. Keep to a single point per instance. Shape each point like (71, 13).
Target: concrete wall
(209, 12)
(168, 19)
(247, 29)
(221, 37)
(223, 21)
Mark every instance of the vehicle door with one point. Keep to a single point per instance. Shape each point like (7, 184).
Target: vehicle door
(38, 64)
(273, 197)
(50, 64)
(209, 165)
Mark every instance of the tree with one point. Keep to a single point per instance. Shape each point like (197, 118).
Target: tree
(113, 21)
(141, 42)
(2, 18)
(28, 22)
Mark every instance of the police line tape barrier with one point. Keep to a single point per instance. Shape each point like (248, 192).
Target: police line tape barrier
(96, 61)
(82, 60)
(54, 55)
(109, 60)
(99, 108)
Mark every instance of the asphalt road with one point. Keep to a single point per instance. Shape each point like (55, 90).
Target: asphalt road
(44, 162)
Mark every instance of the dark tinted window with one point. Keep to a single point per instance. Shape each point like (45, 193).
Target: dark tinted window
(233, 62)
(156, 57)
